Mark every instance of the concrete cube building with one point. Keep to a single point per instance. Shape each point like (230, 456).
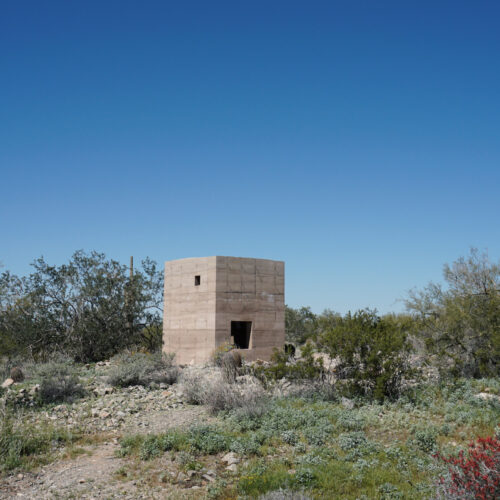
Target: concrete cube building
(210, 301)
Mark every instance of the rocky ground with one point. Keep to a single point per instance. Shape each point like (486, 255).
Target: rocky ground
(385, 451)
(93, 469)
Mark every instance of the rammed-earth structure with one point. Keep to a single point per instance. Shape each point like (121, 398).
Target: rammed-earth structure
(210, 301)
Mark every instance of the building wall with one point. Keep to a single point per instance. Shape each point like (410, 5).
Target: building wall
(189, 310)
(251, 290)
(197, 319)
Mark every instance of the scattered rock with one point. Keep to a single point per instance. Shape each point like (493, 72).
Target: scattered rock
(230, 458)
(208, 478)
(486, 396)
(181, 477)
(232, 468)
(7, 383)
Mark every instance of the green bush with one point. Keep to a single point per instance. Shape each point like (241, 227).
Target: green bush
(152, 445)
(247, 445)
(155, 445)
(283, 367)
(24, 445)
(260, 478)
(142, 369)
(284, 495)
(425, 440)
(59, 383)
(300, 324)
(319, 432)
(373, 354)
(290, 437)
(207, 440)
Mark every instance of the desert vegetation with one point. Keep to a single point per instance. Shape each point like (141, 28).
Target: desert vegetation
(365, 405)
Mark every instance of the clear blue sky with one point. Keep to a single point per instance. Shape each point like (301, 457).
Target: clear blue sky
(358, 141)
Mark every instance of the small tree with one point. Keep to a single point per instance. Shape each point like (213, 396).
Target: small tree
(461, 321)
(89, 308)
(300, 324)
(372, 352)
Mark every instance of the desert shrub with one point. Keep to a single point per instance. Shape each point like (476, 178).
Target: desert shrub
(350, 421)
(217, 489)
(137, 368)
(246, 445)
(321, 389)
(219, 353)
(351, 440)
(230, 365)
(282, 366)
(251, 413)
(7, 364)
(318, 433)
(474, 474)
(290, 437)
(304, 477)
(388, 491)
(219, 396)
(22, 445)
(312, 458)
(193, 388)
(260, 478)
(252, 405)
(130, 444)
(155, 445)
(357, 445)
(59, 382)
(286, 417)
(425, 439)
(284, 495)
(373, 354)
(207, 440)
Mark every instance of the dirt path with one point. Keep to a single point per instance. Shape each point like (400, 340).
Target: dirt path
(93, 475)
(87, 476)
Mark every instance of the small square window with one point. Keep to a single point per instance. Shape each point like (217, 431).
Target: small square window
(197, 280)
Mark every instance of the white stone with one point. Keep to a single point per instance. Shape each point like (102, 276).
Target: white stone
(230, 458)
(7, 383)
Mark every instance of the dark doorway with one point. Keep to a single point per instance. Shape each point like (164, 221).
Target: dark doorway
(240, 331)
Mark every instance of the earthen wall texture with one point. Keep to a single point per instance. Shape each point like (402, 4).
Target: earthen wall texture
(197, 318)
